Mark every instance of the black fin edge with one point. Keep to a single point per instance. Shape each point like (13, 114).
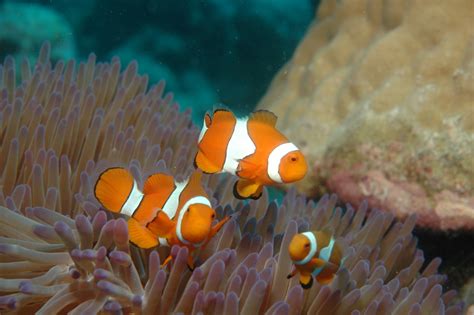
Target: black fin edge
(240, 197)
(194, 162)
(256, 197)
(307, 285)
(198, 168)
(220, 110)
(98, 179)
(236, 193)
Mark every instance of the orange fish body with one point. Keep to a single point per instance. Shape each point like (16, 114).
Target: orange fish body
(165, 212)
(315, 255)
(251, 148)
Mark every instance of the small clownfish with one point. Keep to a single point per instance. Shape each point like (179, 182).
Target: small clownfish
(314, 254)
(165, 213)
(251, 148)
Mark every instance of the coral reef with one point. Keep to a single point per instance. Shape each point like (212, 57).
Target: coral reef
(380, 96)
(60, 252)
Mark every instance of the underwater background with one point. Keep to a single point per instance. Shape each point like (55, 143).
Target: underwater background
(379, 95)
(209, 52)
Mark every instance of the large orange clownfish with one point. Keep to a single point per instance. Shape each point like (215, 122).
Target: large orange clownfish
(165, 213)
(251, 148)
(314, 255)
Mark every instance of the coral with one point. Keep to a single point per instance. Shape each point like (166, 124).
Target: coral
(60, 252)
(380, 94)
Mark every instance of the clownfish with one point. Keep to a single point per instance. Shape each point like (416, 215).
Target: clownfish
(165, 212)
(251, 148)
(314, 254)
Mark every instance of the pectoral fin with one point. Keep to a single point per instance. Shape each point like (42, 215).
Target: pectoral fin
(248, 168)
(292, 273)
(190, 262)
(166, 262)
(140, 235)
(162, 225)
(244, 189)
(318, 262)
(216, 228)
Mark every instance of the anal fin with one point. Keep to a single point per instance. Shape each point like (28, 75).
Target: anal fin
(190, 262)
(258, 193)
(140, 235)
(306, 281)
(202, 162)
(244, 189)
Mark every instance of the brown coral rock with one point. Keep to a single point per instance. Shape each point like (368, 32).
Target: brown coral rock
(380, 96)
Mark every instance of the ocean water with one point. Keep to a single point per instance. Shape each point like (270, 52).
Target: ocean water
(209, 52)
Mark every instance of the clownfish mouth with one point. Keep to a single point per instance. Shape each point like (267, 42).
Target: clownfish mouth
(198, 244)
(197, 236)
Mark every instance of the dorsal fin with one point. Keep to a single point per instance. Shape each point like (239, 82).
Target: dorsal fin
(264, 116)
(220, 107)
(207, 120)
(195, 179)
(193, 188)
(155, 181)
(327, 231)
(222, 114)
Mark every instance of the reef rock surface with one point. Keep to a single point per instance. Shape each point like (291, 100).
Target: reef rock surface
(380, 96)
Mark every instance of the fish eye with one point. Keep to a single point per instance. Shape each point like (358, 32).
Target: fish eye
(293, 157)
(213, 215)
(306, 245)
(188, 210)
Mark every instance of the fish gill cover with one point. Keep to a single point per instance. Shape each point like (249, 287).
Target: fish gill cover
(60, 252)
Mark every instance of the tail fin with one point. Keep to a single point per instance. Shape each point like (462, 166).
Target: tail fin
(113, 188)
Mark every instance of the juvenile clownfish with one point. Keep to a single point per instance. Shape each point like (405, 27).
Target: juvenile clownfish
(165, 213)
(251, 148)
(314, 254)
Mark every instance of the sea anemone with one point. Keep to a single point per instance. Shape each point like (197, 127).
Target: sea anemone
(60, 252)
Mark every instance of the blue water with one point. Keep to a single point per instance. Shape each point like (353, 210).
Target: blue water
(209, 52)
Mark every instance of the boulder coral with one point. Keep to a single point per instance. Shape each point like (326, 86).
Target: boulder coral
(380, 95)
(61, 253)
